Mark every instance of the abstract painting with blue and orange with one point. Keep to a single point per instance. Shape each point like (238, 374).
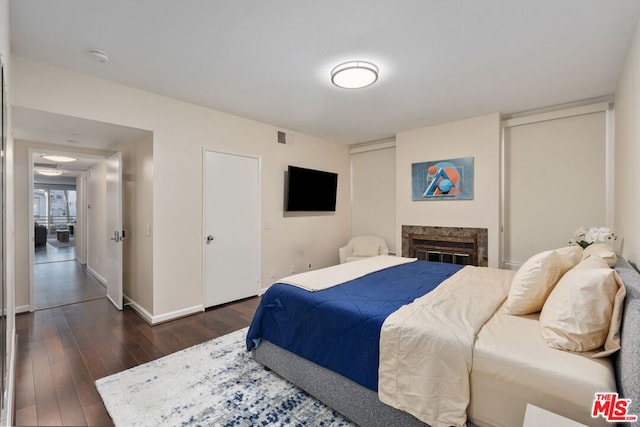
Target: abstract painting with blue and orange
(450, 179)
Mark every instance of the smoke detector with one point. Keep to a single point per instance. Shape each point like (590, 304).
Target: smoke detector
(99, 55)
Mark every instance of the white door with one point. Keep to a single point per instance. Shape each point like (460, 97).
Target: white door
(114, 229)
(231, 227)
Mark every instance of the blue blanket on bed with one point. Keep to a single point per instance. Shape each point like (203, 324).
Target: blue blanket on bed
(339, 328)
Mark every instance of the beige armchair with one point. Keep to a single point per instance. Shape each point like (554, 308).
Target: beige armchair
(362, 247)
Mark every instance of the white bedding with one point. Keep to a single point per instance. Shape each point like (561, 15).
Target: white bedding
(513, 366)
(325, 278)
(426, 347)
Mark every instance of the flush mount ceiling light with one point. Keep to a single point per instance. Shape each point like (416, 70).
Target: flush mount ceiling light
(59, 159)
(354, 74)
(49, 172)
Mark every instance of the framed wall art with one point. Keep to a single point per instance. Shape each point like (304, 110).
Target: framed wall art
(450, 179)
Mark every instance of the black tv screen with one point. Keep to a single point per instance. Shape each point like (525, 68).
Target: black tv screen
(310, 190)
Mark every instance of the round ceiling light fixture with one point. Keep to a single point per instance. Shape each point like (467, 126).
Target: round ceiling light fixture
(354, 74)
(49, 172)
(59, 159)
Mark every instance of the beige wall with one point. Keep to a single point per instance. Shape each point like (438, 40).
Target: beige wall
(97, 234)
(627, 154)
(373, 194)
(137, 159)
(180, 131)
(23, 201)
(477, 137)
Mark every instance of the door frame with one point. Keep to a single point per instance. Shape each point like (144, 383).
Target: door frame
(204, 216)
(80, 200)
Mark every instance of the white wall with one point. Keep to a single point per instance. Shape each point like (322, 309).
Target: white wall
(180, 131)
(478, 137)
(97, 234)
(627, 154)
(137, 162)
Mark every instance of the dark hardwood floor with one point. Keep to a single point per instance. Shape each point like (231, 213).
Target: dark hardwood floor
(64, 282)
(62, 351)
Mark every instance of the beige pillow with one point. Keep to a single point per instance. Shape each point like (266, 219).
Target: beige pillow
(584, 311)
(570, 256)
(366, 250)
(535, 280)
(603, 250)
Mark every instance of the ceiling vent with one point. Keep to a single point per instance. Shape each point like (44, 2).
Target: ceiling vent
(284, 138)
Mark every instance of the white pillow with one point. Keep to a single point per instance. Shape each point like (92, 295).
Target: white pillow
(535, 280)
(366, 250)
(584, 311)
(603, 250)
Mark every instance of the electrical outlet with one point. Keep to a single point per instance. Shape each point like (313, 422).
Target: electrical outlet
(293, 268)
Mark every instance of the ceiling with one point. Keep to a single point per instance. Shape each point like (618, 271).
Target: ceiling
(72, 132)
(439, 60)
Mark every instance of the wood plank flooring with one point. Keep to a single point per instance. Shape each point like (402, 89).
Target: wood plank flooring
(62, 351)
(64, 282)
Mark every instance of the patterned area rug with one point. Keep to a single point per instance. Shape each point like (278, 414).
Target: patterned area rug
(215, 383)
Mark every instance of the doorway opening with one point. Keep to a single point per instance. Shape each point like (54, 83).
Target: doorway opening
(59, 272)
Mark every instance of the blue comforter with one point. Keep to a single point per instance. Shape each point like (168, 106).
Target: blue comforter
(339, 328)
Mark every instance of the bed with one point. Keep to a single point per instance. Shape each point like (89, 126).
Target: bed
(512, 365)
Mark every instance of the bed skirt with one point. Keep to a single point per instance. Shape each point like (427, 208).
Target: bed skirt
(350, 399)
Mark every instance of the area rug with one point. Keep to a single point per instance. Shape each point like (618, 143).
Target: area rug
(56, 244)
(215, 383)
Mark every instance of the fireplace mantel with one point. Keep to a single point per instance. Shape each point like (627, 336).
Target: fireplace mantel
(455, 245)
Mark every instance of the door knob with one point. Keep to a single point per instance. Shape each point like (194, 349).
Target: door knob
(210, 239)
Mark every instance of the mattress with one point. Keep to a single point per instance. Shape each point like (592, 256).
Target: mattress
(513, 366)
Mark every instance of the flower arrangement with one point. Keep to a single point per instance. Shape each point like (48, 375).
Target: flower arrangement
(584, 237)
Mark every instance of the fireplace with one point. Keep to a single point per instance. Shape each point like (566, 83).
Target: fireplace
(454, 245)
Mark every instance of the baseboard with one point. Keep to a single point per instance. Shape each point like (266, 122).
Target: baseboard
(11, 380)
(177, 314)
(142, 312)
(161, 318)
(261, 291)
(80, 261)
(97, 276)
(23, 309)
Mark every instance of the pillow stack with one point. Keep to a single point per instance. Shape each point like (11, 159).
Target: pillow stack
(537, 277)
(578, 295)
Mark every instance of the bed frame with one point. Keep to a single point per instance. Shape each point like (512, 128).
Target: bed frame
(362, 406)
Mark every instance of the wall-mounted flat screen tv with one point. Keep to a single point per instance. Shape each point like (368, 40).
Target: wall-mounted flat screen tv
(310, 190)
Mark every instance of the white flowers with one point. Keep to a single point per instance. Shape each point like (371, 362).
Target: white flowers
(584, 237)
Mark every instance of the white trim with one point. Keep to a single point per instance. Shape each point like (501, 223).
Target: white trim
(97, 276)
(502, 195)
(177, 314)
(142, 312)
(32, 290)
(11, 379)
(559, 114)
(609, 168)
(23, 309)
(378, 145)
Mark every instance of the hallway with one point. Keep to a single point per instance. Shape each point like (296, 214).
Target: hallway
(60, 280)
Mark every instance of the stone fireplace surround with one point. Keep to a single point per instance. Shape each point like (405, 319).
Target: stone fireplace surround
(456, 245)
